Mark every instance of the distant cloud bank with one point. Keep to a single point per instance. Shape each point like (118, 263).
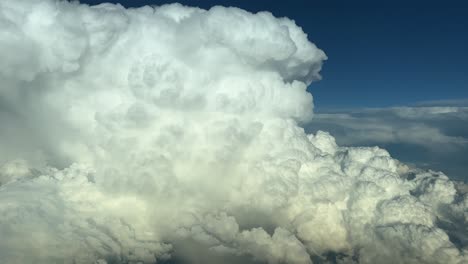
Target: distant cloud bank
(170, 134)
(434, 137)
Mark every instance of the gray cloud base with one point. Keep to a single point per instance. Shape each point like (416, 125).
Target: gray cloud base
(139, 135)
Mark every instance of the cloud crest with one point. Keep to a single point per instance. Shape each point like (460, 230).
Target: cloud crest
(136, 134)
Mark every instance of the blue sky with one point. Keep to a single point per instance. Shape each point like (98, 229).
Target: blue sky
(397, 53)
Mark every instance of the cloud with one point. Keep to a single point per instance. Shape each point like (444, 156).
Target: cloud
(447, 102)
(430, 136)
(140, 135)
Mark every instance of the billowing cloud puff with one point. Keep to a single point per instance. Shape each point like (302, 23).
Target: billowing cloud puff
(171, 133)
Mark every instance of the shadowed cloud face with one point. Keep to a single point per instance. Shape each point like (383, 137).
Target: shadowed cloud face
(170, 134)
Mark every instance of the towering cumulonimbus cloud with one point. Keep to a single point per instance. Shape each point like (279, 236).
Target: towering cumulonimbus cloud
(172, 134)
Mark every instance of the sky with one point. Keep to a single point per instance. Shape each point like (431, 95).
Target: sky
(180, 135)
(379, 54)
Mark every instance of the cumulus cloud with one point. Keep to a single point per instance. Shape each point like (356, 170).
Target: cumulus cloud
(170, 134)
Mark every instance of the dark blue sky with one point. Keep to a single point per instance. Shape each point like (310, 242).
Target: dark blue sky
(380, 55)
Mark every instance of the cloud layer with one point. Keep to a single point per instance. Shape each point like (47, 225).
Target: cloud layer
(431, 136)
(171, 133)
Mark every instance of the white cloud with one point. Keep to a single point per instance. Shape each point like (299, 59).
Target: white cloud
(418, 125)
(132, 135)
(434, 137)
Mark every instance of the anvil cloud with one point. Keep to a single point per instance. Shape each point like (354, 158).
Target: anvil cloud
(173, 134)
